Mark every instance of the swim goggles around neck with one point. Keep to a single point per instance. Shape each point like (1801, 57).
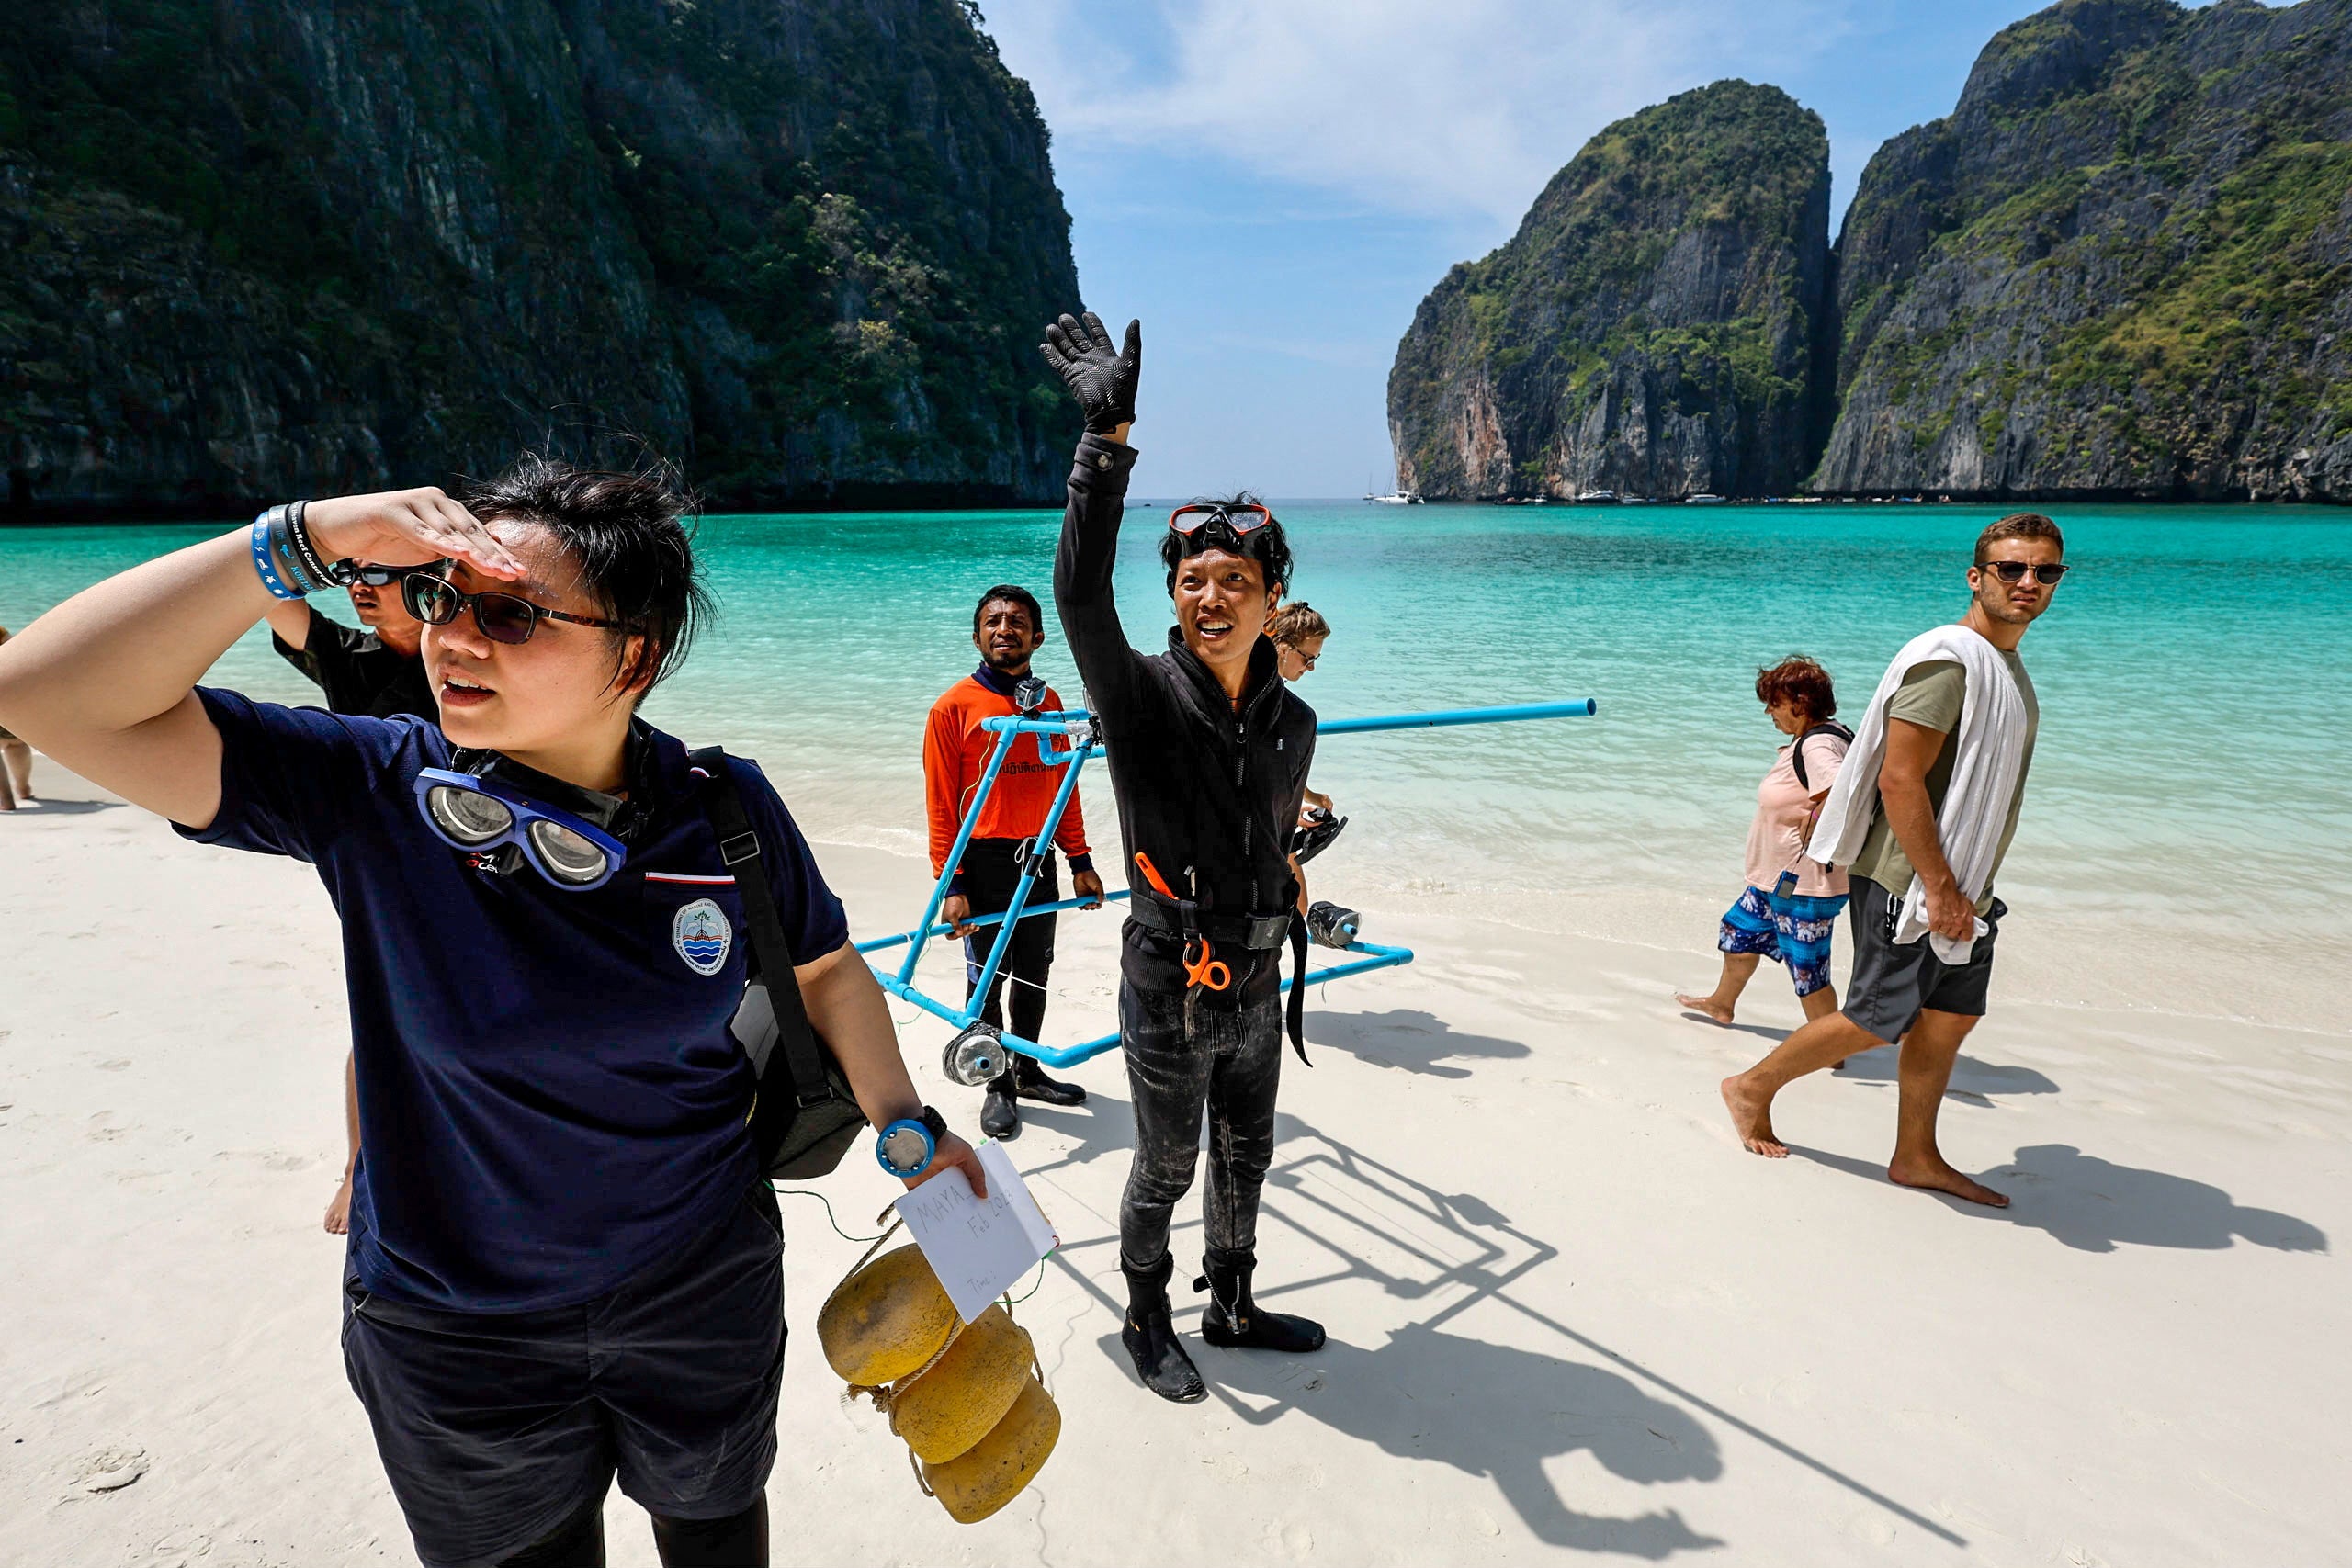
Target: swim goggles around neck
(491, 820)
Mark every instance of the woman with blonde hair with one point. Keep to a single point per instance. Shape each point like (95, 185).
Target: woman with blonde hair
(1297, 631)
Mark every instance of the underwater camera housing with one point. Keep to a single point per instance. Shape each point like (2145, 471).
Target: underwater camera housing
(1329, 925)
(975, 1056)
(1029, 694)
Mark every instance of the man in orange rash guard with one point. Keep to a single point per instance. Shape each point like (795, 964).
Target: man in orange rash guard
(1008, 629)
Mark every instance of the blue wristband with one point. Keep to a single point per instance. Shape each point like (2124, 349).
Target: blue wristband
(264, 560)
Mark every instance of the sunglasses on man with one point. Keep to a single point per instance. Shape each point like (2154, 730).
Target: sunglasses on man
(2013, 571)
(502, 617)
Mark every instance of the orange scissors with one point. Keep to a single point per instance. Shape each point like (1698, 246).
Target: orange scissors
(1202, 967)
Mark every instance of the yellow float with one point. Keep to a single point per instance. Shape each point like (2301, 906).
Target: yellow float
(888, 1319)
(978, 1422)
(978, 1481)
(961, 1397)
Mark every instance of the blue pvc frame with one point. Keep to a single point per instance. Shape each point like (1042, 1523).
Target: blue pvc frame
(1076, 728)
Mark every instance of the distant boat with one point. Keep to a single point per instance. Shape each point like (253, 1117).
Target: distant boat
(1596, 497)
(1394, 498)
(1633, 500)
(1704, 499)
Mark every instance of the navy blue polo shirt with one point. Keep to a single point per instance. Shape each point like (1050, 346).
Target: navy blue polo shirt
(550, 1099)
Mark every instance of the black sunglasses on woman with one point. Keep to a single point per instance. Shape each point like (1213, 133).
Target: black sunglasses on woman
(502, 617)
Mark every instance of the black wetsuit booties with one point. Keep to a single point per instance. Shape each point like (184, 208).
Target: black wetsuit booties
(1209, 792)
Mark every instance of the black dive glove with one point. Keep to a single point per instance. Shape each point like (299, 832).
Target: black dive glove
(1102, 380)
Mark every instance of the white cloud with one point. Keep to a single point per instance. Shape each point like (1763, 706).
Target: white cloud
(1449, 108)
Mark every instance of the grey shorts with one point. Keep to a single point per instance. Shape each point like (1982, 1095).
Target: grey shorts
(1892, 982)
(495, 1428)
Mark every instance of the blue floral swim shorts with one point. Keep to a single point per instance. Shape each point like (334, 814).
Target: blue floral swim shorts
(1794, 931)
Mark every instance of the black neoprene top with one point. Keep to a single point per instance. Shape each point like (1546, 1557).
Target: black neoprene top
(1209, 792)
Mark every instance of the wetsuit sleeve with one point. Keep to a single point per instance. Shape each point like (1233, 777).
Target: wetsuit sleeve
(943, 780)
(292, 779)
(814, 922)
(1089, 547)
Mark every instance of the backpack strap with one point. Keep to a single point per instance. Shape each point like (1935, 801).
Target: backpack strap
(1796, 753)
(738, 850)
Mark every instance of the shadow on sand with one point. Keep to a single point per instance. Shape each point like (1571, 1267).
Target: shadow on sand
(1761, 1031)
(1972, 1082)
(1432, 1392)
(46, 806)
(2094, 1205)
(1409, 1039)
(1495, 1411)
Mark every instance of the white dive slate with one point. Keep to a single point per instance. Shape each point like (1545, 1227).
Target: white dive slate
(978, 1247)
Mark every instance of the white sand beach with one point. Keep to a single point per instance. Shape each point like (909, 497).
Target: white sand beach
(1570, 1317)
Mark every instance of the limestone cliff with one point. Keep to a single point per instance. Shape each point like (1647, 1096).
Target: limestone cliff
(1651, 328)
(294, 246)
(2122, 267)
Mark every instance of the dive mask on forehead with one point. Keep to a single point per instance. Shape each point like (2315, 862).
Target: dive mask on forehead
(500, 813)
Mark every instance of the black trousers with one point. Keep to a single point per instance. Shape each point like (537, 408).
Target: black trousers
(992, 870)
(495, 1428)
(1227, 1065)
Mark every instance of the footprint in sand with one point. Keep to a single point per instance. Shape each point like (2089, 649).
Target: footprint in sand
(110, 1470)
(1294, 1543)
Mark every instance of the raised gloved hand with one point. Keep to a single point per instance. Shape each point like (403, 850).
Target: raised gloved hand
(1102, 379)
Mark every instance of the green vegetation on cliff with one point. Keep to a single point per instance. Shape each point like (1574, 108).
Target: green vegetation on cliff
(276, 247)
(2123, 265)
(1651, 326)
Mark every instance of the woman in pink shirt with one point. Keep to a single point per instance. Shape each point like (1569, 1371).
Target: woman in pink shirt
(1789, 908)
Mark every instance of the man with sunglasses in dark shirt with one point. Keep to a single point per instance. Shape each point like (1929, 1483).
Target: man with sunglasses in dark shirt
(1902, 990)
(375, 671)
(1208, 750)
(372, 669)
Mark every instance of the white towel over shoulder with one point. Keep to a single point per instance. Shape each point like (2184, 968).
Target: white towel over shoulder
(1983, 776)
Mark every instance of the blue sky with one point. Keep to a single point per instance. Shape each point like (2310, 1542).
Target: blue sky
(1273, 185)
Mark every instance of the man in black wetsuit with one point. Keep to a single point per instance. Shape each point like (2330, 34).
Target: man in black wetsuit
(377, 672)
(1209, 752)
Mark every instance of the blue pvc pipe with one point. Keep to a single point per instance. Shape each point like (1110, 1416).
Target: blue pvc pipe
(1071, 729)
(1034, 910)
(1376, 957)
(956, 854)
(1073, 721)
(1075, 725)
(1044, 838)
(1582, 707)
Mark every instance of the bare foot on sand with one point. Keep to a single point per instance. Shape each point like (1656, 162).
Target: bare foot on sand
(1707, 1004)
(339, 1210)
(1935, 1176)
(1751, 1118)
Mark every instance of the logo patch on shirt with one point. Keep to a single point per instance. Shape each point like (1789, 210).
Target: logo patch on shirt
(702, 935)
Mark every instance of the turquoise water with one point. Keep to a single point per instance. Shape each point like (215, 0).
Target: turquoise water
(2195, 678)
